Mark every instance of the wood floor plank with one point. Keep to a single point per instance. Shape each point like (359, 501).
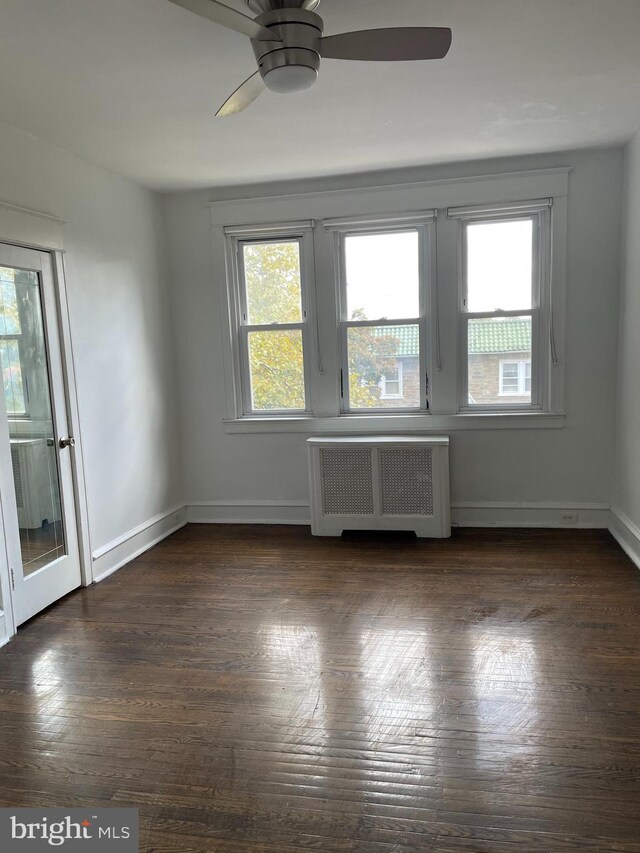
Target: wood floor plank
(254, 690)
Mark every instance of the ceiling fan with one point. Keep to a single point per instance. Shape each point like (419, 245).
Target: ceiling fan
(288, 42)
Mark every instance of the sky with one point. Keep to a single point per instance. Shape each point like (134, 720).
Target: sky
(383, 279)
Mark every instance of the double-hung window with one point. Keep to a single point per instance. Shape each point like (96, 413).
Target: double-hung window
(426, 313)
(272, 329)
(382, 308)
(504, 306)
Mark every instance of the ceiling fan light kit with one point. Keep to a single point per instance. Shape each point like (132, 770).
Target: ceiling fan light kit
(288, 43)
(292, 61)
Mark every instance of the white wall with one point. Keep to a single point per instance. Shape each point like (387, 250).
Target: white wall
(241, 476)
(626, 500)
(121, 329)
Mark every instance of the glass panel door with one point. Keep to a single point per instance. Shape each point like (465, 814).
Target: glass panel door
(44, 560)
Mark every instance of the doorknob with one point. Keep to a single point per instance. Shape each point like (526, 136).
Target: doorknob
(67, 442)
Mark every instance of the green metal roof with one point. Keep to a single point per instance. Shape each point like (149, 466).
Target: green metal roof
(506, 334)
(407, 336)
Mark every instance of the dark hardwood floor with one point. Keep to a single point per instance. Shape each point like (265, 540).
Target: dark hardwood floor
(254, 690)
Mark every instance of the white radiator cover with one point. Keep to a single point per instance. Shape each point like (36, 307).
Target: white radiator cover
(380, 483)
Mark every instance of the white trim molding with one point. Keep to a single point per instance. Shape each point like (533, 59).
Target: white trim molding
(32, 229)
(463, 514)
(249, 512)
(117, 553)
(543, 514)
(626, 534)
(396, 424)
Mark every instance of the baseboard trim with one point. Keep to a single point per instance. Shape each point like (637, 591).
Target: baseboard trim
(117, 553)
(249, 512)
(626, 534)
(531, 514)
(478, 514)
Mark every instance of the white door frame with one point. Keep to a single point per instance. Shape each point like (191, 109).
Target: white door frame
(32, 229)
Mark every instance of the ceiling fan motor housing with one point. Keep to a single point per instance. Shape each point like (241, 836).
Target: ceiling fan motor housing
(260, 6)
(291, 63)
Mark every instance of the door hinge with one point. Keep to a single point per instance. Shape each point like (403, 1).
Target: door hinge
(13, 581)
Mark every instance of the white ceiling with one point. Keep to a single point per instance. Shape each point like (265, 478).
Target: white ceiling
(132, 85)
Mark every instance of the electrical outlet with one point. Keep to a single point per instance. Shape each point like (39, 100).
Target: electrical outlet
(568, 517)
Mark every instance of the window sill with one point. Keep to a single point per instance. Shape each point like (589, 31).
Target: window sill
(397, 424)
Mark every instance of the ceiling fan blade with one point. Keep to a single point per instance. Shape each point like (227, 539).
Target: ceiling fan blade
(388, 45)
(227, 17)
(243, 96)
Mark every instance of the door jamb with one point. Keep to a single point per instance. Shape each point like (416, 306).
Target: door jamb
(73, 415)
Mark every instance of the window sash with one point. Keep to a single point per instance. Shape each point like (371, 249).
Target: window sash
(540, 217)
(401, 226)
(244, 328)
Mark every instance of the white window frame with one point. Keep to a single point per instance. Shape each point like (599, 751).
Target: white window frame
(400, 380)
(521, 378)
(539, 213)
(423, 224)
(438, 205)
(236, 239)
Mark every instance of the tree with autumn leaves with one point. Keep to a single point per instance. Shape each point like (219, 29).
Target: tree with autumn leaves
(272, 276)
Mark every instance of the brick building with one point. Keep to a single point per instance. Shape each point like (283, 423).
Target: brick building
(499, 364)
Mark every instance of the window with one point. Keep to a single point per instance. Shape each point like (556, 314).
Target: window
(391, 384)
(10, 342)
(382, 313)
(515, 378)
(272, 328)
(400, 319)
(502, 299)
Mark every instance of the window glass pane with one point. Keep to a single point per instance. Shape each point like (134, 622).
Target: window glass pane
(9, 318)
(374, 352)
(34, 457)
(499, 265)
(493, 342)
(272, 280)
(383, 276)
(12, 377)
(277, 370)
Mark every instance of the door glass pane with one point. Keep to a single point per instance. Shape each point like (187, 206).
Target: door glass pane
(383, 276)
(272, 281)
(384, 367)
(499, 361)
(277, 370)
(500, 265)
(31, 430)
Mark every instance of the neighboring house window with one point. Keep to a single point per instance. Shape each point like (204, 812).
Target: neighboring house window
(504, 307)
(391, 384)
(515, 378)
(10, 342)
(382, 299)
(271, 301)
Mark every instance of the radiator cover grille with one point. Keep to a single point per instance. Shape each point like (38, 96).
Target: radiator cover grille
(347, 483)
(406, 481)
